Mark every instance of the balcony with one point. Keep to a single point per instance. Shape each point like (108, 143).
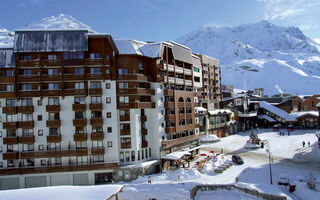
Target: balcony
(28, 78)
(97, 151)
(134, 77)
(10, 156)
(49, 93)
(170, 117)
(144, 131)
(97, 76)
(79, 122)
(169, 104)
(170, 129)
(95, 91)
(73, 92)
(26, 124)
(125, 118)
(81, 152)
(29, 63)
(9, 110)
(96, 106)
(179, 81)
(126, 145)
(53, 138)
(10, 125)
(27, 139)
(96, 61)
(25, 109)
(4, 79)
(168, 92)
(46, 77)
(68, 77)
(57, 62)
(54, 123)
(79, 107)
(73, 62)
(10, 140)
(188, 82)
(143, 118)
(179, 70)
(28, 93)
(53, 108)
(7, 94)
(136, 104)
(182, 140)
(125, 132)
(96, 122)
(97, 136)
(137, 91)
(80, 137)
(144, 144)
(187, 71)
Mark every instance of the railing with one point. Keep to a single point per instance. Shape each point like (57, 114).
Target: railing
(188, 82)
(29, 63)
(136, 105)
(170, 129)
(54, 123)
(97, 136)
(96, 121)
(80, 122)
(170, 117)
(126, 145)
(26, 124)
(80, 137)
(95, 91)
(187, 71)
(96, 106)
(144, 131)
(179, 81)
(125, 132)
(9, 110)
(144, 144)
(96, 61)
(179, 70)
(79, 107)
(54, 138)
(10, 140)
(27, 139)
(169, 104)
(53, 108)
(177, 141)
(168, 92)
(135, 77)
(125, 118)
(57, 62)
(143, 118)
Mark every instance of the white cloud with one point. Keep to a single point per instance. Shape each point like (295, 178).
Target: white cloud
(317, 40)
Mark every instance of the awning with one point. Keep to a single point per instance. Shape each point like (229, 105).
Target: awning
(202, 109)
(219, 111)
(176, 155)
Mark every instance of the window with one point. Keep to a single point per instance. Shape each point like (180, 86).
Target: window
(97, 144)
(138, 155)
(79, 86)
(122, 71)
(40, 132)
(26, 72)
(53, 101)
(121, 157)
(72, 55)
(0, 134)
(108, 114)
(108, 100)
(9, 88)
(146, 151)
(96, 114)
(28, 162)
(54, 116)
(79, 115)
(78, 71)
(39, 117)
(107, 71)
(10, 102)
(26, 102)
(123, 99)
(127, 156)
(97, 129)
(27, 147)
(94, 55)
(25, 57)
(11, 133)
(96, 100)
(27, 132)
(109, 129)
(81, 144)
(52, 57)
(53, 86)
(53, 72)
(196, 69)
(26, 117)
(107, 57)
(95, 84)
(95, 70)
(124, 112)
(108, 85)
(0, 149)
(79, 100)
(133, 156)
(43, 162)
(109, 144)
(149, 152)
(81, 130)
(142, 154)
(11, 118)
(55, 161)
(141, 70)
(39, 102)
(123, 85)
(54, 131)
(9, 73)
(98, 158)
(82, 159)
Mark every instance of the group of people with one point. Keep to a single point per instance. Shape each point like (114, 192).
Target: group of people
(304, 143)
(282, 133)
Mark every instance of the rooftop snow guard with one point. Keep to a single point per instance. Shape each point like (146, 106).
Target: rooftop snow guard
(50, 40)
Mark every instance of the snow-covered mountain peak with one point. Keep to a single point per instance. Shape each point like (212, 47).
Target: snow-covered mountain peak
(6, 37)
(61, 21)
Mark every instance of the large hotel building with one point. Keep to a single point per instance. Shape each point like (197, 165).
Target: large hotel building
(81, 108)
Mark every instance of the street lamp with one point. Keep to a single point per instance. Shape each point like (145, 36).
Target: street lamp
(270, 171)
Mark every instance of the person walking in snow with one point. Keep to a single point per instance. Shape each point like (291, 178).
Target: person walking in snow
(149, 179)
(303, 143)
(308, 143)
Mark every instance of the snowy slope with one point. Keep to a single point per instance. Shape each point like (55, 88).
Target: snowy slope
(58, 22)
(6, 37)
(265, 55)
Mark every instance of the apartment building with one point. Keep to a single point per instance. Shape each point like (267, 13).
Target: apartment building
(81, 108)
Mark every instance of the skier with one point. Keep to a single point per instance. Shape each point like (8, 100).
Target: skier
(149, 179)
(303, 143)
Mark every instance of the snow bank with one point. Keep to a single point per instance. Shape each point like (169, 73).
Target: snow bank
(210, 138)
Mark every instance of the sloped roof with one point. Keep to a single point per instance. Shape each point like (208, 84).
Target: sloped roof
(270, 119)
(181, 53)
(275, 110)
(50, 40)
(176, 155)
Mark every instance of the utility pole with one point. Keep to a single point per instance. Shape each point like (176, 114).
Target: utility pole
(270, 171)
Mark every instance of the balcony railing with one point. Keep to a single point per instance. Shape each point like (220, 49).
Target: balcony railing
(96, 61)
(54, 138)
(25, 109)
(26, 124)
(9, 110)
(29, 63)
(168, 92)
(79, 107)
(137, 91)
(179, 70)
(54, 123)
(97, 151)
(57, 62)
(10, 140)
(143, 118)
(80, 122)
(135, 77)
(169, 104)
(96, 121)
(170, 129)
(53, 108)
(144, 131)
(170, 117)
(137, 104)
(125, 132)
(10, 125)
(144, 144)
(97, 136)
(126, 145)
(96, 106)
(27, 139)
(80, 137)
(10, 156)
(72, 92)
(95, 91)
(178, 141)
(125, 118)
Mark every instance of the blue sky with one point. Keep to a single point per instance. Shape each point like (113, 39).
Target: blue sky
(155, 20)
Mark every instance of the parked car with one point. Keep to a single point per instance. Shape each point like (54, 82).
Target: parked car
(237, 159)
(283, 180)
(290, 127)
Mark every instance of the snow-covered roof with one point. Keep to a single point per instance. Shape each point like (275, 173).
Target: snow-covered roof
(229, 123)
(209, 138)
(219, 111)
(202, 109)
(318, 105)
(63, 192)
(275, 110)
(181, 53)
(50, 40)
(251, 114)
(176, 155)
(296, 115)
(135, 47)
(270, 119)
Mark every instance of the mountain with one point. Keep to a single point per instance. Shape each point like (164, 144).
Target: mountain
(6, 37)
(279, 59)
(58, 22)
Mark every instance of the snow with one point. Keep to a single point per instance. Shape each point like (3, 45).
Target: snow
(209, 138)
(202, 109)
(318, 105)
(175, 155)
(264, 54)
(270, 119)
(141, 165)
(219, 111)
(63, 193)
(275, 110)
